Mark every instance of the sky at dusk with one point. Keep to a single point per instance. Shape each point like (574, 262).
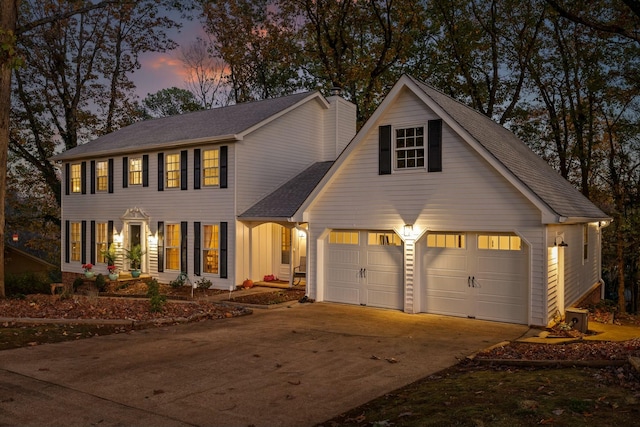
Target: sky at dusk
(164, 70)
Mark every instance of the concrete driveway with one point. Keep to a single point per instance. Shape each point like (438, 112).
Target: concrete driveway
(295, 366)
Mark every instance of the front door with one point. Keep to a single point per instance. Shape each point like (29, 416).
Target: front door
(135, 232)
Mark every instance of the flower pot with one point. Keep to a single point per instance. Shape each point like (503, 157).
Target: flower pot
(88, 274)
(113, 276)
(135, 273)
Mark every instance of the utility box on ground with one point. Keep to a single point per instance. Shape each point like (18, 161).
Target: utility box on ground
(578, 318)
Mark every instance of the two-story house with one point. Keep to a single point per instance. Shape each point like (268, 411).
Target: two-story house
(176, 186)
(432, 207)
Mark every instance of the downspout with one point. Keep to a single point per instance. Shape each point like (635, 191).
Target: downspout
(306, 253)
(600, 279)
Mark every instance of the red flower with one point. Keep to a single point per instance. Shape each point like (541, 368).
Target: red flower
(87, 267)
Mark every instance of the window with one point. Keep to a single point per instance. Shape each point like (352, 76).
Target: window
(102, 176)
(211, 249)
(384, 239)
(173, 170)
(135, 171)
(585, 243)
(409, 148)
(211, 167)
(76, 178)
(446, 240)
(172, 247)
(285, 248)
(344, 237)
(101, 241)
(499, 242)
(76, 241)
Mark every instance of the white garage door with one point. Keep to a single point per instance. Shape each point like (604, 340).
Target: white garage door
(366, 268)
(477, 275)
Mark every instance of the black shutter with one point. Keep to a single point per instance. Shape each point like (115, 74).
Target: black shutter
(435, 146)
(83, 177)
(109, 234)
(93, 177)
(384, 150)
(224, 155)
(145, 170)
(92, 258)
(67, 179)
(183, 246)
(160, 171)
(223, 250)
(110, 172)
(125, 172)
(196, 169)
(196, 248)
(183, 169)
(67, 241)
(83, 245)
(160, 246)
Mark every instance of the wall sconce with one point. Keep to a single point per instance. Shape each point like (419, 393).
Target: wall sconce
(562, 244)
(152, 239)
(15, 237)
(117, 238)
(407, 230)
(301, 234)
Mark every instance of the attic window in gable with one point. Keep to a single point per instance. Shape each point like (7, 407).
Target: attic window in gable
(409, 147)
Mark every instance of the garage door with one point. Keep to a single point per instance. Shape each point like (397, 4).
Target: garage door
(476, 275)
(366, 268)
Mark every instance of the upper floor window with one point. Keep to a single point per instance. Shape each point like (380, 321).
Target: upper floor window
(172, 163)
(76, 241)
(409, 147)
(135, 171)
(102, 176)
(211, 167)
(211, 249)
(76, 178)
(172, 247)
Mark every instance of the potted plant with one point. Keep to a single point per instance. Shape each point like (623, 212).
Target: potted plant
(135, 256)
(113, 272)
(110, 255)
(88, 273)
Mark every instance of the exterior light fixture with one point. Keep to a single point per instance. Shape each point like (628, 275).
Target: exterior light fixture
(15, 237)
(562, 244)
(407, 230)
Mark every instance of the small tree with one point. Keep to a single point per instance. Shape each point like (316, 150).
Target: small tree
(135, 255)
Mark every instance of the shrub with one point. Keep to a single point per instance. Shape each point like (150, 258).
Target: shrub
(27, 283)
(101, 283)
(204, 283)
(180, 281)
(77, 283)
(156, 300)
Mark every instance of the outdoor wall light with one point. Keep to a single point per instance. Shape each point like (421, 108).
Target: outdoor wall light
(15, 237)
(407, 230)
(562, 244)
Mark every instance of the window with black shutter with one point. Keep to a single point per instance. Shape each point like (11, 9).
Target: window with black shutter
(196, 248)
(160, 246)
(384, 150)
(434, 150)
(223, 250)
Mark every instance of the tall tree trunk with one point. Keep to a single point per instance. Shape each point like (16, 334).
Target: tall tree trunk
(8, 19)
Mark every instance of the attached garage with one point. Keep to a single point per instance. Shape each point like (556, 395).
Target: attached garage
(366, 268)
(477, 275)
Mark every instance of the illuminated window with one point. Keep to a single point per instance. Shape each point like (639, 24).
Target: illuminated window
(285, 249)
(173, 170)
(76, 178)
(102, 176)
(499, 242)
(446, 240)
(172, 247)
(344, 237)
(384, 239)
(409, 148)
(211, 167)
(101, 241)
(210, 249)
(135, 171)
(76, 241)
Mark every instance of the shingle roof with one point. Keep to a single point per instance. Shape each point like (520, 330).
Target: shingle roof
(286, 200)
(217, 122)
(536, 174)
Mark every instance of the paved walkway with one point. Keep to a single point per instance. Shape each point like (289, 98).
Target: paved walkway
(295, 366)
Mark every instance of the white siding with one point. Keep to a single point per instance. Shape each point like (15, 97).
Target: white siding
(468, 195)
(340, 126)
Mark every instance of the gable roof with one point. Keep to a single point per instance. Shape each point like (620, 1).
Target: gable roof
(285, 201)
(538, 181)
(217, 124)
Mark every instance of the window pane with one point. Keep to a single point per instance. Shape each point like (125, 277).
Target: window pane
(173, 170)
(76, 178)
(102, 176)
(101, 241)
(405, 148)
(135, 171)
(211, 167)
(76, 241)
